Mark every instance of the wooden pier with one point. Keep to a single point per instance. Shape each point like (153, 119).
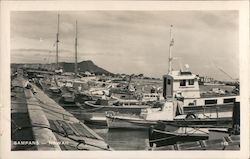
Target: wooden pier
(39, 123)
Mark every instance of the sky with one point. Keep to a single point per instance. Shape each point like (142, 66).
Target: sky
(131, 41)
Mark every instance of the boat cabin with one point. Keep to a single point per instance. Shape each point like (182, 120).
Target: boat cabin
(184, 86)
(181, 84)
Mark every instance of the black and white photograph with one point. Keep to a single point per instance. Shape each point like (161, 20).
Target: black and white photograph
(126, 80)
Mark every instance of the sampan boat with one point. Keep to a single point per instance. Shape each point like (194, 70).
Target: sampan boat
(179, 135)
(121, 106)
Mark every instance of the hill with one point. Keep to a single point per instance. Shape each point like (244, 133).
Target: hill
(67, 67)
(83, 67)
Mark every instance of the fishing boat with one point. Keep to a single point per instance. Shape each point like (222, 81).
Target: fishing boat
(68, 97)
(127, 121)
(184, 85)
(167, 116)
(183, 97)
(159, 134)
(124, 91)
(122, 106)
(181, 134)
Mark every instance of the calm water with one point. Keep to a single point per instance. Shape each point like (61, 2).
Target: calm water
(123, 139)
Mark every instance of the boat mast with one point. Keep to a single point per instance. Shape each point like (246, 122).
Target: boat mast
(76, 71)
(57, 41)
(170, 51)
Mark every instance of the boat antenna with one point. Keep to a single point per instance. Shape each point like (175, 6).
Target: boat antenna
(76, 71)
(57, 40)
(170, 50)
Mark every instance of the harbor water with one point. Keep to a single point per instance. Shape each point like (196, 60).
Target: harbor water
(121, 139)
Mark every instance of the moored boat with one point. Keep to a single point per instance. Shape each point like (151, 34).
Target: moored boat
(122, 106)
(55, 90)
(182, 84)
(167, 116)
(159, 134)
(182, 134)
(127, 121)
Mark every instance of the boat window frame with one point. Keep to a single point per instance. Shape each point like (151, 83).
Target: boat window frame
(210, 100)
(169, 81)
(229, 100)
(191, 82)
(183, 83)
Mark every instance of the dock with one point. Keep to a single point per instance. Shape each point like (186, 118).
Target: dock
(39, 123)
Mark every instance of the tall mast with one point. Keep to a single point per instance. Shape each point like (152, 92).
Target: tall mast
(76, 69)
(57, 41)
(170, 50)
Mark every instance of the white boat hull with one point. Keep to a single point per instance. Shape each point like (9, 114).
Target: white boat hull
(127, 122)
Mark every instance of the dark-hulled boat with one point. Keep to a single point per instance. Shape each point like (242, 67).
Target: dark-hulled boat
(179, 135)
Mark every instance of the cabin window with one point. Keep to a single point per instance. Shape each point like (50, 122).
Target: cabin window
(191, 82)
(212, 101)
(182, 82)
(164, 87)
(229, 100)
(169, 81)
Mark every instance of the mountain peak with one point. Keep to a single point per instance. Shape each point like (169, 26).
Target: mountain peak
(84, 66)
(87, 61)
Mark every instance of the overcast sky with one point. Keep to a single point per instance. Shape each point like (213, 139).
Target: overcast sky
(131, 41)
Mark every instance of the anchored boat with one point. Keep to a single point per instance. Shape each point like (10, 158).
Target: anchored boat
(167, 116)
(184, 85)
(122, 106)
(182, 134)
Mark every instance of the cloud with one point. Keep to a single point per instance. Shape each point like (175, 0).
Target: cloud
(131, 39)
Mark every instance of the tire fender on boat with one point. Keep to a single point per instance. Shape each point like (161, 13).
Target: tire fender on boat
(191, 116)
